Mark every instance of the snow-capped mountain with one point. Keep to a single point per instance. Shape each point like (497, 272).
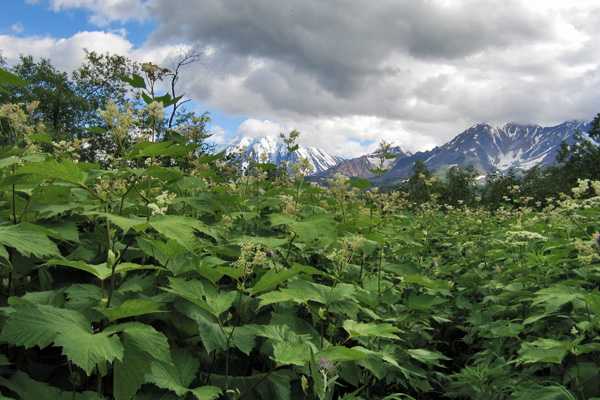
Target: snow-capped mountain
(489, 148)
(361, 167)
(273, 150)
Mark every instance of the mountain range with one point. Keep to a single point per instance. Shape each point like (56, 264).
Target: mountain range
(493, 149)
(487, 148)
(361, 167)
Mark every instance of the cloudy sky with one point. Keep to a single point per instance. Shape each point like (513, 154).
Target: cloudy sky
(346, 73)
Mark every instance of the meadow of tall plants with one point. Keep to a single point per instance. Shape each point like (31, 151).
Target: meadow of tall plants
(158, 271)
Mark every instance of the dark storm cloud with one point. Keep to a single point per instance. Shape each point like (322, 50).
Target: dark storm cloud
(343, 42)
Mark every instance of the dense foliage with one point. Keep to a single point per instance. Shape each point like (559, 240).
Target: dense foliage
(155, 271)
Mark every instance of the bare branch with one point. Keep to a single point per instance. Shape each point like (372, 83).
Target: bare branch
(187, 59)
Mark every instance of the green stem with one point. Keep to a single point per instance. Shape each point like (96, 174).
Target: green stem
(10, 254)
(289, 248)
(379, 272)
(227, 354)
(109, 249)
(14, 208)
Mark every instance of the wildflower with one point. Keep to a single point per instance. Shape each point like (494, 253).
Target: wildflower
(156, 111)
(303, 167)
(154, 72)
(288, 205)
(596, 187)
(574, 331)
(326, 365)
(251, 256)
(32, 106)
(339, 182)
(119, 123)
(583, 185)
(161, 203)
(68, 149)
(526, 236)
(587, 250)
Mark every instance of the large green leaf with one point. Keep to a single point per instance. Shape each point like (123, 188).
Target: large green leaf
(342, 354)
(555, 297)
(142, 345)
(87, 350)
(287, 353)
(203, 295)
(101, 271)
(28, 240)
(181, 229)
(206, 392)
(544, 351)
(426, 356)
(125, 223)
(301, 291)
(132, 308)
(272, 278)
(66, 231)
(320, 230)
(176, 376)
(64, 170)
(135, 81)
(361, 329)
(213, 336)
(30, 325)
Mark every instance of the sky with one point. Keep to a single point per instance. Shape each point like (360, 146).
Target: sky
(346, 73)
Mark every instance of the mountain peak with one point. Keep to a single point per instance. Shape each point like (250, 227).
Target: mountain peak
(519, 125)
(272, 149)
(479, 125)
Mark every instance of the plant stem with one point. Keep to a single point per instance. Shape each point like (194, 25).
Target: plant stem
(109, 247)
(14, 208)
(379, 272)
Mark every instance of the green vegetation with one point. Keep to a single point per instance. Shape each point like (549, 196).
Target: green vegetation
(148, 268)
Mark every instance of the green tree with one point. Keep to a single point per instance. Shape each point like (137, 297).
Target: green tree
(99, 80)
(60, 108)
(595, 129)
(498, 186)
(460, 187)
(419, 185)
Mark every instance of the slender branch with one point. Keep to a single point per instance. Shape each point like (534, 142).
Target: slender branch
(186, 60)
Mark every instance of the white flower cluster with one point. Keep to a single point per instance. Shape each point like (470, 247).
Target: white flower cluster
(68, 149)
(525, 236)
(251, 256)
(118, 122)
(162, 202)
